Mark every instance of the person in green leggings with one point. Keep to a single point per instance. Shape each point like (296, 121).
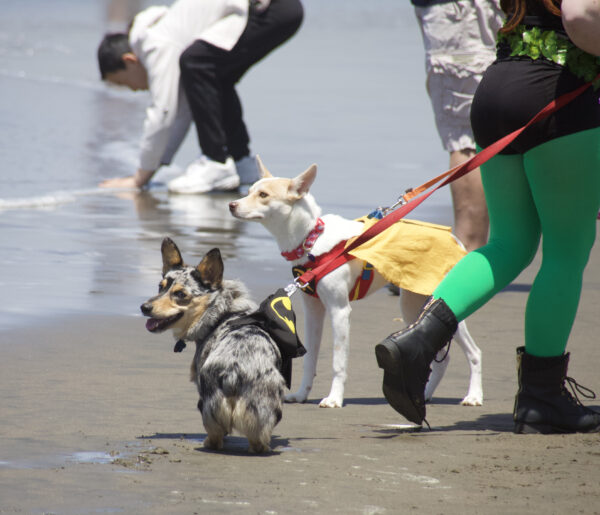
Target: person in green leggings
(544, 184)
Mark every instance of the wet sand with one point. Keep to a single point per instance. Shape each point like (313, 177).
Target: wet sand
(355, 106)
(98, 416)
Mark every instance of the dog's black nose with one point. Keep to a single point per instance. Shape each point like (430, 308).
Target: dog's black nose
(232, 206)
(146, 308)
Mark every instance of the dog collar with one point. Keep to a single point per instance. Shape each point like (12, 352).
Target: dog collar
(307, 244)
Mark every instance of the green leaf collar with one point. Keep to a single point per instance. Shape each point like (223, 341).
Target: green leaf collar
(536, 43)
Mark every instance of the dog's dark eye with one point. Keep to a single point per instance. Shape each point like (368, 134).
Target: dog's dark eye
(263, 194)
(179, 294)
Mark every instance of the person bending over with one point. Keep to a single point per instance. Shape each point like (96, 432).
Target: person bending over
(190, 57)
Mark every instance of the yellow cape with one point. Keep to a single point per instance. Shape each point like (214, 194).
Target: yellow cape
(411, 254)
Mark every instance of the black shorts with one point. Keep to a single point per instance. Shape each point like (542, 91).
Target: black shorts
(512, 92)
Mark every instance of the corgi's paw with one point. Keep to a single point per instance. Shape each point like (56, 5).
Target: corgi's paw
(295, 397)
(472, 400)
(213, 443)
(258, 448)
(331, 402)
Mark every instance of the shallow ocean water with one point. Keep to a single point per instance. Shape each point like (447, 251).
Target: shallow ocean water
(347, 92)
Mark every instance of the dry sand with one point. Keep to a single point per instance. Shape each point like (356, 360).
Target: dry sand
(98, 416)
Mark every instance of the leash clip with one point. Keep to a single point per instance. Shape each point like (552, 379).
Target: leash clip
(291, 288)
(402, 200)
(399, 203)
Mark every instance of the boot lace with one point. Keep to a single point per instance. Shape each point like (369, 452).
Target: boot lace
(446, 355)
(582, 390)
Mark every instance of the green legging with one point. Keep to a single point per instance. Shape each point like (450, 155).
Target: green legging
(553, 190)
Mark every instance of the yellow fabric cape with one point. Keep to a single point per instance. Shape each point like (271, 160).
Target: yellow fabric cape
(411, 254)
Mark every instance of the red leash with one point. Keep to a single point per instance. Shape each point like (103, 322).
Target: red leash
(414, 199)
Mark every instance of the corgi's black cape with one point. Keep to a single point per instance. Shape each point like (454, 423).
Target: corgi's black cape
(279, 321)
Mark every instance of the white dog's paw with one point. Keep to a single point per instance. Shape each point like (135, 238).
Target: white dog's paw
(428, 394)
(331, 402)
(472, 400)
(295, 397)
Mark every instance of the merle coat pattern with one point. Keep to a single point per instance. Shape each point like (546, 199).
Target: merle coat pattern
(236, 369)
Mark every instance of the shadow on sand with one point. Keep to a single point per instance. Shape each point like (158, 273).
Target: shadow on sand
(233, 445)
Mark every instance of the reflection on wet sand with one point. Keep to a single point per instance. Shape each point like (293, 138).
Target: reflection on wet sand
(126, 260)
(69, 248)
(204, 218)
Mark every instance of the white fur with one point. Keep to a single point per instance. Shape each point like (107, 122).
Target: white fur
(289, 212)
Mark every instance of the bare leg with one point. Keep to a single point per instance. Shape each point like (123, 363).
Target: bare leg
(471, 220)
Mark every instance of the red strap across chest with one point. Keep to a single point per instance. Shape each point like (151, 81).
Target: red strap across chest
(361, 286)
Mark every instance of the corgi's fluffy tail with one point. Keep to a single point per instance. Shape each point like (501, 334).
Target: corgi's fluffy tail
(255, 423)
(248, 418)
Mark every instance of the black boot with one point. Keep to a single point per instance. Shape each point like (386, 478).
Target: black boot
(405, 357)
(543, 404)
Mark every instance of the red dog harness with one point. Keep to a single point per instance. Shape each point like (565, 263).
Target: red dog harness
(363, 282)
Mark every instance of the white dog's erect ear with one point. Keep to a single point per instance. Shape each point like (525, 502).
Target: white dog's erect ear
(171, 256)
(301, 184)
(264, 173)
(211, 269)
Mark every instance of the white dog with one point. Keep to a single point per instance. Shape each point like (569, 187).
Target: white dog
(289, 212)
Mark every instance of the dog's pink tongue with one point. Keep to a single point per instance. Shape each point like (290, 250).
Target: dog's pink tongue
(151, 324)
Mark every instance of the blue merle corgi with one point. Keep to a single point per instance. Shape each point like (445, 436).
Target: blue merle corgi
(237, 366)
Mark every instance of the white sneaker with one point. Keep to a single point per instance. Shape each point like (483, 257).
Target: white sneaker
(204, 175)
(247, 169)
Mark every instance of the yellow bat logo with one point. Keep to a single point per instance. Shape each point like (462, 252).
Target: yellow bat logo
(287, 304)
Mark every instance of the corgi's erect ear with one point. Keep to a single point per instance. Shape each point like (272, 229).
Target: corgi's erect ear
(171, 256)
(300, 185)
(264, 173)
(210, 269)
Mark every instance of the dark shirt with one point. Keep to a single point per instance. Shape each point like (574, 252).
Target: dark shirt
(536, 15)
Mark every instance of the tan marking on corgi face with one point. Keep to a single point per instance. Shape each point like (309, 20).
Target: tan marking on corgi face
(179, 300)
(164, 307)
(176, 301)
(184, 292)
(195, 308)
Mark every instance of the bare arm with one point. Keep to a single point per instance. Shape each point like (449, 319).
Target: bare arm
(581, 19)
